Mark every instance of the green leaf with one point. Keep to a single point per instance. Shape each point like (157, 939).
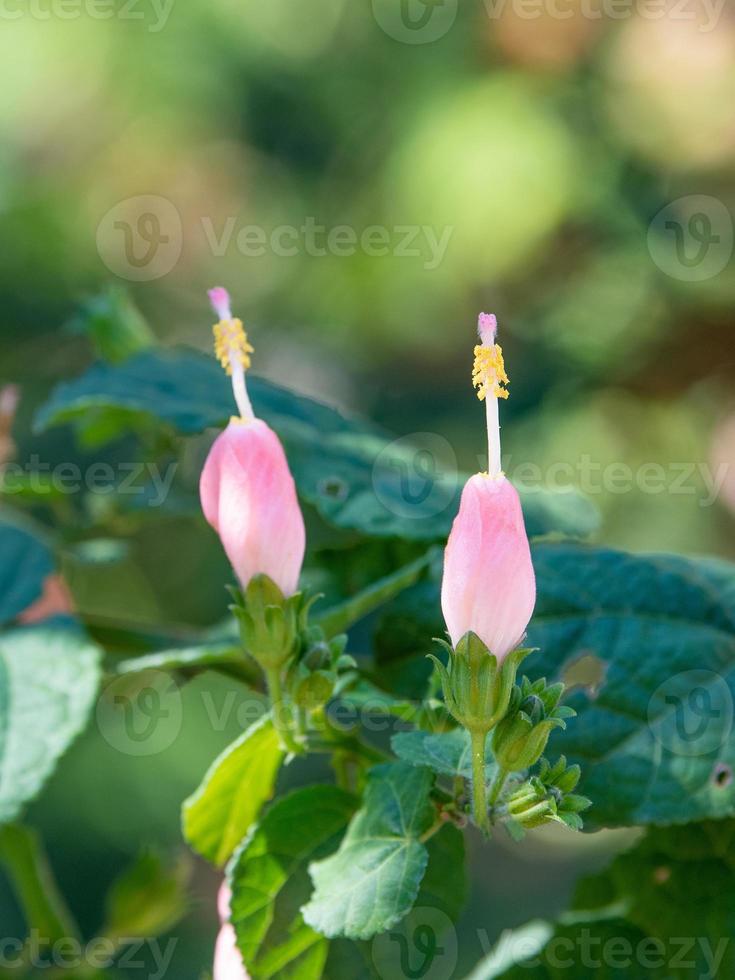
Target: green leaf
(114, 325)
(594, 949)
(424, 943)
(148, 899)
(515, 946)
(654, 733)
(25, 861)
(373, 880)
(665, 909)
(348, 469)
(187, 390)
(269, 882)
(48, 684)
(444, 885)
(447, 753)
(676, 882)
(219, 814)
(225, 657)
(25, 561)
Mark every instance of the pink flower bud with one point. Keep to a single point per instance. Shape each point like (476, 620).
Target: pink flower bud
(246, 488)
(489, 585)
(228, 963)
(249, 498)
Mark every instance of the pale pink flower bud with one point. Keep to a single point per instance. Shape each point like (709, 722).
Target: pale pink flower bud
(246, 488)
(249, 498)
(489, 586)
(228, 963)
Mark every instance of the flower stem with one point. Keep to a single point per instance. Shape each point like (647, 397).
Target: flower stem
(479, 802)
(278, 709)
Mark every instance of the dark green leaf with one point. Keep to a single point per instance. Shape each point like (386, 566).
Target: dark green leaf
(677, 882)
(598, 949)
(372, 882)
(114, 325)
(424, 943)
(25, 561)
(654, 735)
(346, 468)
(219, 814)
(270, 882)
(225, 657)
(48, 683)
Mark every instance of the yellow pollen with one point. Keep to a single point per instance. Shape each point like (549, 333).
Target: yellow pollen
(488, 373)
(230, 340)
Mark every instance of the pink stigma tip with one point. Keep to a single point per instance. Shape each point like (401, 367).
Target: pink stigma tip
(487, 327)
(220, 300)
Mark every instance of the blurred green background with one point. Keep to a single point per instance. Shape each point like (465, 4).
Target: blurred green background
(573, 174)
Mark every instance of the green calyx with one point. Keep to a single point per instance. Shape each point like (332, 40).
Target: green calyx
(270, 624)
(548, 796)
(477, 690)
(317, 674)
(533, 712)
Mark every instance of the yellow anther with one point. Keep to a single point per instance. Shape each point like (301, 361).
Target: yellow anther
(231, 341)
(488, 373)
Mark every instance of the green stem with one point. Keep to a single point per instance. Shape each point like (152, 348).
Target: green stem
(24, 859)
(341, 617)
(278, 707)
(479, 802)
(497, 787)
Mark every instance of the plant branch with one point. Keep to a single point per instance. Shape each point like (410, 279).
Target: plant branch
(25, 861)
(342, 616)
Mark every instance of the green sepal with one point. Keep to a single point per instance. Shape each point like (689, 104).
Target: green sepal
(533, 713)
(477, 690)
(269, 622)
(315, 677)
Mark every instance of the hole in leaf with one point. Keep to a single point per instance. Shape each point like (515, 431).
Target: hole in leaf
(333, 487)
(722, 776)
(586, 671)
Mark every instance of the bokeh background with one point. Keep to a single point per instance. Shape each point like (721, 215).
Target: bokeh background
(567, 165)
